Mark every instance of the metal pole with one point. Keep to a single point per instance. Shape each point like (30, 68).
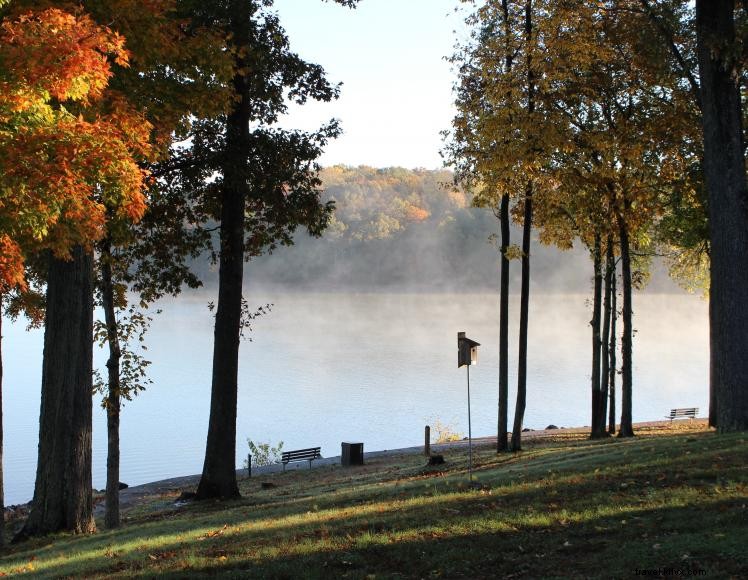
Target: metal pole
(470, 431)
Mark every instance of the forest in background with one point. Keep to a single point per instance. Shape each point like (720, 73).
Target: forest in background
(410, 229)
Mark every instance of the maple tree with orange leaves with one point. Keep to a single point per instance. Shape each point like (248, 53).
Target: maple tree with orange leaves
(70, 161)
(62, 166)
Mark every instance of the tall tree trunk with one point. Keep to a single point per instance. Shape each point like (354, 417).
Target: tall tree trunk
(502, 439)
(113, 404)
(502, 443)
(605, 341)
(524, 309)
(627, 428)
(724, 171)
(595, 324)
(63, 494)
(219, 468)
(612, 369)
(712, 381)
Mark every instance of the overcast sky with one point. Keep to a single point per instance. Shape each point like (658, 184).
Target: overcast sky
(397, 87)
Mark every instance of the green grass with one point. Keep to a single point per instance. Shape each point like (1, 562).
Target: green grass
(565, 507)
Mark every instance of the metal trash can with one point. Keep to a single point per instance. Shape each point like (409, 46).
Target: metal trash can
(351, 454)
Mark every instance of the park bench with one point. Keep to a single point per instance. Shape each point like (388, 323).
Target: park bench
(682, 413)
(300, 455)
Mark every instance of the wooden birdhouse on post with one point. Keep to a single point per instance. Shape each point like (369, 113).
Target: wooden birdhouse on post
(467, 355)
(467, 350)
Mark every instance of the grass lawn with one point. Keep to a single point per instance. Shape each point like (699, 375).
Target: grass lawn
(673, 499)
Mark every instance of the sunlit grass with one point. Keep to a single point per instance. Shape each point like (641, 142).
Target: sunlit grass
(564, 507)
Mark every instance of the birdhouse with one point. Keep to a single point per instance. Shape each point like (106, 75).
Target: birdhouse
(467, 350)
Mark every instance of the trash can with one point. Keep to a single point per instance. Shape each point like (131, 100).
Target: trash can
(351, 454)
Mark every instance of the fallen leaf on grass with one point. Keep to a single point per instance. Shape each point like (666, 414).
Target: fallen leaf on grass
(162, 556)
(215, 533)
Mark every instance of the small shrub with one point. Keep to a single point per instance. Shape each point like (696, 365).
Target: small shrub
(263, 453)
(444, 432)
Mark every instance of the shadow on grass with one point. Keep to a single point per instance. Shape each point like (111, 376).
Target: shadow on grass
(600, 547)
(576, 496)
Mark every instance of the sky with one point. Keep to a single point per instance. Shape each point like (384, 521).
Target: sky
(397, 88)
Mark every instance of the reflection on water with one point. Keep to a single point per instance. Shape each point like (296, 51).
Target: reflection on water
(327, 368)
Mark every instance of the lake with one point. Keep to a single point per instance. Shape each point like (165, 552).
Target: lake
(327, 368)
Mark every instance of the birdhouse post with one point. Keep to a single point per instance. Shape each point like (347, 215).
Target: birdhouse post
(467, 355)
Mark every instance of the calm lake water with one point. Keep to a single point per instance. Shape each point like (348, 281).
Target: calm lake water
(326, 368)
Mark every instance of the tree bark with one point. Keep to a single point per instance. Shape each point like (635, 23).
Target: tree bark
(626, 429)
(605, 340)
(724, 171)
(519, 410)
(113, 403)
(596, 344)
(502, 443)
(612, 369)
(712, 381)
(524, 311)
(219, 468)
(63, 494)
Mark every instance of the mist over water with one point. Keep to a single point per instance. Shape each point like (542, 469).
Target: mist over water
(330, 367)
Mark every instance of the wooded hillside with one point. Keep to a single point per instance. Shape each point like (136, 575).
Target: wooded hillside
(398, 228)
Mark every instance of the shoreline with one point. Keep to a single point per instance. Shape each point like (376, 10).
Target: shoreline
(171, 486)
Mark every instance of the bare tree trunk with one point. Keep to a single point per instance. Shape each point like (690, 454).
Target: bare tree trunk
(219, 468)
(712, 380)
(63, 494)
(605, 341)
(113, 404)
(524, 311)
(502, 443)
(724, 171)
(627, 428)
(612, 370)
(595, 324)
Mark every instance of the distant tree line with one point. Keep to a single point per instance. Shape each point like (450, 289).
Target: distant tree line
(403, 229)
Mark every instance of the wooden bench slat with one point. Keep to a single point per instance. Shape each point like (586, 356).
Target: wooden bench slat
(309, 455)
(689, 412)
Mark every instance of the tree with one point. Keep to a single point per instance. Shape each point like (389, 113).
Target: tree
(495, 145)
(55, 65)
(179, 74)
(266, 187)
(724, 171)
(471, 160)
